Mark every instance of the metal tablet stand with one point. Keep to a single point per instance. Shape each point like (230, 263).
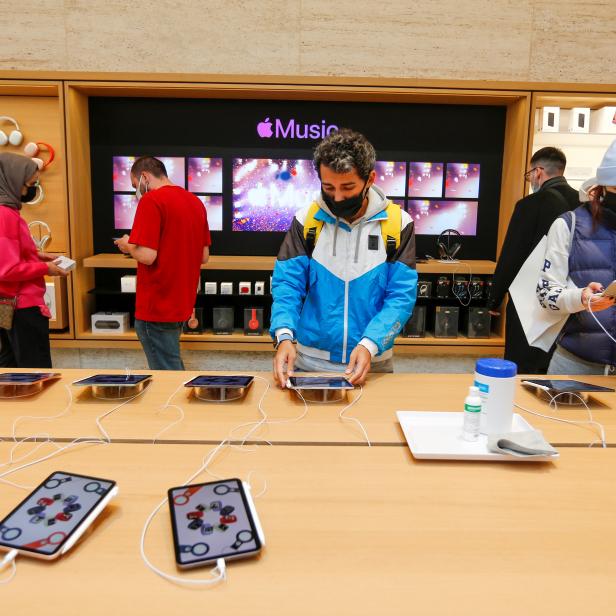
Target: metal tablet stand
(564, 398)
(119, 392)
(323, 396)
(20, 390)
(220, 394)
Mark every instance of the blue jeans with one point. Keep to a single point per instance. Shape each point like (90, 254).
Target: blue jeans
(565, 362)
(161, 344)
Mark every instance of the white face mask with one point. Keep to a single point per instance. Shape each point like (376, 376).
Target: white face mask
(138, 192)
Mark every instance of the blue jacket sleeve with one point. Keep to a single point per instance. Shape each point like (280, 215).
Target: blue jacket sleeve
(400, 295)
(290, 280)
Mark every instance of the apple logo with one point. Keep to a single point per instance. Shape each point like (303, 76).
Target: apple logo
(265, 128)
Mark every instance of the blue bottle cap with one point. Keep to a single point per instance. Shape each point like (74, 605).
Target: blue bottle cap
(499, 368)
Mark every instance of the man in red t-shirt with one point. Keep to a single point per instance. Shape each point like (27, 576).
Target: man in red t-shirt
(170, 239)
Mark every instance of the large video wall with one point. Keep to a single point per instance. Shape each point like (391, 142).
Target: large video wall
(250, 163)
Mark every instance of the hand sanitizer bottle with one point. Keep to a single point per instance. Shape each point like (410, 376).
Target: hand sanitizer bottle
(472, 415)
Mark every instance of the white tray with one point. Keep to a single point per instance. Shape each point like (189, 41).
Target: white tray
(434, 435)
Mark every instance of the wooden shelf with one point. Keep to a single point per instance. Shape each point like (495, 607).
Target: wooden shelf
(460, 267)
(119, 261)
(430, 340)
(238, 336)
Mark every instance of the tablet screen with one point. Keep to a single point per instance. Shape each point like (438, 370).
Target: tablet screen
(46, 519)
(319, 382)
(561, 386)
(113, 379)
(210, 521)
(220, 381)
(23, 378)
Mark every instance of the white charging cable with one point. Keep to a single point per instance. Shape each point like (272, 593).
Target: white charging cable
(594, 316)
(341, 415)
(468, 288)
(166, 406)
(9, 559)
(78, 441)
(590, 422)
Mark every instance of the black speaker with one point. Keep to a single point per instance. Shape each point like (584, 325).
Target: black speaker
(478, 322)
(424, 288)
(446, 321)
(253, 321)
(416, 326)
(223, 320)
(194, 324)
(443, 286)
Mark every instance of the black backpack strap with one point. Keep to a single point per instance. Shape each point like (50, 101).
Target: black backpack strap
(390, 247)
(311, 240)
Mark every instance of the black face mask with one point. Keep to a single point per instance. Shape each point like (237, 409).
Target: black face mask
(30, 194)
(347, 208)
(609, 201)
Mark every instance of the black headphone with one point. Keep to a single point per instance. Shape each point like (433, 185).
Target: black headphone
(446, 250)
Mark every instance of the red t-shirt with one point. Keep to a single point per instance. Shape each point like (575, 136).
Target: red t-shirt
(173, 222)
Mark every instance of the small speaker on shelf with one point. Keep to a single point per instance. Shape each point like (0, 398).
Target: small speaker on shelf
(478, 323)
(416, 326)
(446, 321)
(223, 319)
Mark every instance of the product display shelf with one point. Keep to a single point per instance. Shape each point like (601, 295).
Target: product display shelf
(119, 261)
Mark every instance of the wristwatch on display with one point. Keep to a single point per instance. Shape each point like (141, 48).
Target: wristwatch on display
(282, 338)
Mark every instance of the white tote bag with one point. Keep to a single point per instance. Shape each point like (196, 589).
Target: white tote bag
(541, 326)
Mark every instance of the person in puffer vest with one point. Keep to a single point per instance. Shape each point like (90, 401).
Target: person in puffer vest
(580, 262)
(344, 283)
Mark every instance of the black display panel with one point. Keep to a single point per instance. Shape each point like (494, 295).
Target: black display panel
(257, 130)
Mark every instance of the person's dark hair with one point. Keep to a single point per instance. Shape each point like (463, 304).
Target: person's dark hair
(345, 150)
(595, 195)
(151, 165)
(551, 159)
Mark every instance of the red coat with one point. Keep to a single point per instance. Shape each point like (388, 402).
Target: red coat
(21, 271)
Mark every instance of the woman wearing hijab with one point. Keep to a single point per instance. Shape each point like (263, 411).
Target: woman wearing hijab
(579, 263)
(22, 269)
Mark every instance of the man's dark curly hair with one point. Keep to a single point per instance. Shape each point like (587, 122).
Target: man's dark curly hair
(345, 150)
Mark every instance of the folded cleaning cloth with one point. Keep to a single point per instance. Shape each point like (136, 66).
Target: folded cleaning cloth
(526, 444)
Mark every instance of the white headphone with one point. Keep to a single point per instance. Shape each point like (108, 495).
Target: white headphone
(16, 136)
(43, 240)
(39, 197)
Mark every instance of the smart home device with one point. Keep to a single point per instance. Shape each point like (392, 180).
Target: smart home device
(110, 323)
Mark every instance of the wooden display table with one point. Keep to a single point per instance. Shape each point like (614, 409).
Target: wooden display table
(348, 531)
(142, 419)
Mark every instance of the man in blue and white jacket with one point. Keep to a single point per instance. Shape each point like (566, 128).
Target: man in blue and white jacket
(344, 283)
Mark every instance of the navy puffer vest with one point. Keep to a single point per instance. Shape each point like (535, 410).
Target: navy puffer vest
(592, 259)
